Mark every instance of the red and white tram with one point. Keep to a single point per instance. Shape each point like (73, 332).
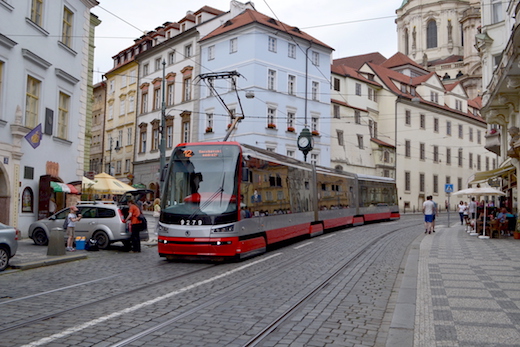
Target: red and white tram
(227, 199)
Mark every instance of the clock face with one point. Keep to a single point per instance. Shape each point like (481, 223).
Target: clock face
(303, 142)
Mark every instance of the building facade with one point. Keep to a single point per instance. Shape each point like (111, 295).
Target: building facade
(44, 60)
(440, 35)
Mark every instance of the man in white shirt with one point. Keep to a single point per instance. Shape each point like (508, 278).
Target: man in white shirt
(429, 211)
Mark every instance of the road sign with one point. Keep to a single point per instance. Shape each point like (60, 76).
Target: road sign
(448, 188)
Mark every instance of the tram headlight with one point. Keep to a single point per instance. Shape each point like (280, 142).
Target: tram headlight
(226, 229)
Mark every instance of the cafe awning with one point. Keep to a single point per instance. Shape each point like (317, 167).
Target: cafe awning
(64, 188)
(499, 172)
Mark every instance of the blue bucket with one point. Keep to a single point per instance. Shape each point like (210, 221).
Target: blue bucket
(80, 244)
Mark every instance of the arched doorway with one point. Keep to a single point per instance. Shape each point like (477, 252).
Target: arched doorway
(5, 197)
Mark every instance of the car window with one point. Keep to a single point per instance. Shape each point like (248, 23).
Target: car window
(62, 214)
(106, 213)
(87, 212)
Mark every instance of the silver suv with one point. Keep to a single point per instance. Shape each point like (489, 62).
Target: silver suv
(8, 244)
(102, 222)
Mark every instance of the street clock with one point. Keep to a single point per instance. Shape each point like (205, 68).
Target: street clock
(305, 142)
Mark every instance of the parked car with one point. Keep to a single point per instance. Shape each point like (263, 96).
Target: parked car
(102, 222)
(8, 244)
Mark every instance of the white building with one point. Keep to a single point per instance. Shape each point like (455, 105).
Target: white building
(44, 59)
(431, 131)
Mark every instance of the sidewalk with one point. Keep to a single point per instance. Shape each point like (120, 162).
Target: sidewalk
(459, 290)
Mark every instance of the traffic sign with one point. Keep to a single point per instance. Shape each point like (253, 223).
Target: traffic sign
(448, 188)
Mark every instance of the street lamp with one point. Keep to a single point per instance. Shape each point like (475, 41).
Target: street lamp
(117, 148)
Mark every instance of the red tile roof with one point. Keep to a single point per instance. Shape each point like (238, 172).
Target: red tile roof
(347, 71)
(209, 9)
(358, 61)
(250, 16)
(382, 143)
(399, 59)
(343, 103)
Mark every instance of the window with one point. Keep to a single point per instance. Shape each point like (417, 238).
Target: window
(458, 105)
(436, 125)
(132, 79)
(461, 131)
(32, 102)
(339, 133)
(335, 109)
(435, 154)
(129, 135)
(171, 58)
(422, 151)
(460, 157)
(314, 158)
(448, 156)
(358, 89)
(478, 162)
(422, 121)
(315, 90)
(336, 84)
(407, 149)
(122, 107)
(157, 64)
(435, 184)
(127, 165)
(291, 83)
(314, 124)
(170, 90)
(144, 102)
(290, 153)
(37, 11)
(407, 180)
(421, 182)
(459, 183)
(272, 44)
(357, 117)
(371, 94)
(63, 115)
(271, 80)
(291, 116)
(188, 51)
(431, 34)
(169, 136)
(471, 134)
(479, 134)
(271, 116)
(155, 137)
(111, 111)
(408, 117)
(142, 141)
(316, 58)
(186, 131)
(487, 163)
(470, 160)
(434, 97)
(66, 34)
(291, 50)
(211, 52)
(157, 98)
(497, 13)
(187, 89)
(233, 45)
(448, 128)
(145, 69)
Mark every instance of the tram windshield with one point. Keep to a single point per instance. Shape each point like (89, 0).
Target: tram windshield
(201, 187)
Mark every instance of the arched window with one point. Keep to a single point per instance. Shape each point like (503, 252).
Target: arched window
(431, 34)
(406, 42)
(27, 200)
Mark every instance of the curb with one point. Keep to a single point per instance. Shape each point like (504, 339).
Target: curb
(48, 261)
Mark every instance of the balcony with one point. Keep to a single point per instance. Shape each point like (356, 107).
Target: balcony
(493, 141)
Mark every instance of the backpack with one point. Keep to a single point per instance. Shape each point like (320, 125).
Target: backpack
(91, 245)
(144, 222)
(66, 223)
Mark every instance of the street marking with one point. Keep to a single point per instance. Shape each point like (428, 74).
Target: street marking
(96, 321)
(57, 290)
(304, 245)
(327, 237)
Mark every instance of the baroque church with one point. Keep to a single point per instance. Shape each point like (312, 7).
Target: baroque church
(440, 36)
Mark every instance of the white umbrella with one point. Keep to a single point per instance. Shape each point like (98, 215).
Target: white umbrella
(481, 191)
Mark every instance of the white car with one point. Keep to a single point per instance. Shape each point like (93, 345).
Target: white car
(8, 244)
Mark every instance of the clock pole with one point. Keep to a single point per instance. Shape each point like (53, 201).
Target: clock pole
(305, 142)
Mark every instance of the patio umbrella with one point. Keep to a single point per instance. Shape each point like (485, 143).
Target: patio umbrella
(106, 184)
(481, 191)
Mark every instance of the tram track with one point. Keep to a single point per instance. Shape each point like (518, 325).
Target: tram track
(146, 286)
(255, 281)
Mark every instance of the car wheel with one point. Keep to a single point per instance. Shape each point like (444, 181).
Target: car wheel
(4, 258)
(40, 237)
(102, 239)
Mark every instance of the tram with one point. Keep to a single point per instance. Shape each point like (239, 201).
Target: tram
(226, 199)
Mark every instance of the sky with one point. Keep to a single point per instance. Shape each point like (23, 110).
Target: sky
(351, 27)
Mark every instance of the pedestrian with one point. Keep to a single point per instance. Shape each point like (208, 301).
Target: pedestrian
(134, 225)
(428, 210)
(435, 213)
(72, 217)
(462, 209)
(157, 207)
(472, 209)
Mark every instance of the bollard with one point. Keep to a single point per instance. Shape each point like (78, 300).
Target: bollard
(56, 242)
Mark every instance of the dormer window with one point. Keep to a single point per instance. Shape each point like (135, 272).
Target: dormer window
(434, 97)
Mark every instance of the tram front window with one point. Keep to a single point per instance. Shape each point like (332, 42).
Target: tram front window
(202, 185)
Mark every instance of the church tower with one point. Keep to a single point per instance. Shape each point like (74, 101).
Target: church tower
(440, 35)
